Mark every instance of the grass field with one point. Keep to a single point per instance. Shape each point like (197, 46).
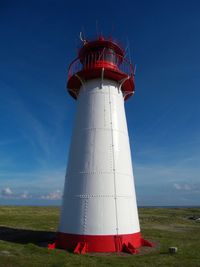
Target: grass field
(24, 231)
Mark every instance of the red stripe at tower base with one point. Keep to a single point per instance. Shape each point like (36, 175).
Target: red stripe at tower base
(101, 243)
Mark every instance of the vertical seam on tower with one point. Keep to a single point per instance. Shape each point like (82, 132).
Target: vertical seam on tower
(93, 135)
(85, 216)
(104, 111)
(114, 171)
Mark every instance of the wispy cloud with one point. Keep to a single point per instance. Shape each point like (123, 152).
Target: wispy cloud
(195, 188)
(39, 131)
(57, 195)
(34, 131)
(25, 195)
(43, 179)
(31, 155)
(167, 184)
(8, 193)
(165, 174)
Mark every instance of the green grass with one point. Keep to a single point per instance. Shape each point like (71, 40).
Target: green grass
(164, 226)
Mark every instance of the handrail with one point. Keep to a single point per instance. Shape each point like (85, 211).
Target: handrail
(91, 60)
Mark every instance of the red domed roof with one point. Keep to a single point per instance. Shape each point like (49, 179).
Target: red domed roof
(101, 43)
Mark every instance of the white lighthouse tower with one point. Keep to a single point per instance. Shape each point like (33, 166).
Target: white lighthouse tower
(99, 209)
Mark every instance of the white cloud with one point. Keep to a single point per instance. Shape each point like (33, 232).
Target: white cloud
(25, 195)
(185, 187)
(7, 192)
(177, 186)
(57, 195)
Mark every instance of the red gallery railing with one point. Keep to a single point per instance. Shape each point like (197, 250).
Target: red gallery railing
(94, 60)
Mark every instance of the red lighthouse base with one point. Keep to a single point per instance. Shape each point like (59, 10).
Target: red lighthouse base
(81, 244)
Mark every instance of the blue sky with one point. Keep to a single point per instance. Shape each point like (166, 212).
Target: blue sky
(38, 41)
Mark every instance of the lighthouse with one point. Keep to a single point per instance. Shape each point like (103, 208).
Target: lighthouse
(99, 209)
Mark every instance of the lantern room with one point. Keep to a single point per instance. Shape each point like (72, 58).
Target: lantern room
(103, 59)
